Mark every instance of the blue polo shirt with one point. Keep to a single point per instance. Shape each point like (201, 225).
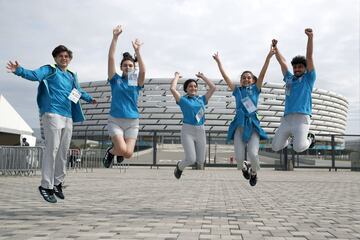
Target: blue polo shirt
(124, 98)
(241, 92)
(190, 106)
(298, 93)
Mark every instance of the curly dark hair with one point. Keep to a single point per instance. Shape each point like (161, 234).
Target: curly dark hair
(61, 48)
(298, 60)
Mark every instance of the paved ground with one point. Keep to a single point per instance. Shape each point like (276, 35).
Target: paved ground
(149, 204)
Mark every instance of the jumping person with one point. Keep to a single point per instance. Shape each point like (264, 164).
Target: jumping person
(58, 100)
(245, 129)
(123, 122)
(192, 107)
(298, 101)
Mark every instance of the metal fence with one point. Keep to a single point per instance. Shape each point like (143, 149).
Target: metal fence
(163, 148)
(22, 161)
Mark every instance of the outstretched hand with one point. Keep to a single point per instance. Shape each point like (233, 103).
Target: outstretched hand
(216, 57)
(309, 32)
(274, 42)
(200, 75)
(117, 31)
(177, 75)
(137, 44)
(12, 66)
(272, 50)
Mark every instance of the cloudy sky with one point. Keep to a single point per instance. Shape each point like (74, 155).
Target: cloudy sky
(181, 35)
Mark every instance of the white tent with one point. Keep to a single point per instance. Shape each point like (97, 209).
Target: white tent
(12, 125)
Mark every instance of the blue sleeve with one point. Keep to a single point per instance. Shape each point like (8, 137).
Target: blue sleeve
(181, 101)
(203, 98)
(258, 91)
(113, 79)
(139, 88)
(85, 96)
(34, 75)
(235, 92)
(288, 75)
(311, 77)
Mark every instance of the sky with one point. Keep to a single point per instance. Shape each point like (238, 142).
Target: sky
(182, 35)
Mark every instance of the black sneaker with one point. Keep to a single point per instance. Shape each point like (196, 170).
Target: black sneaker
(47, 194)
(58, 191)
(119, 159)
(291, 142)
(177, 171)
(108, 158)
(311, 136)
(245, 170)
(253, 179)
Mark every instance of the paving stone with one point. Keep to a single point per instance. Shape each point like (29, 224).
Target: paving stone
(216, 203)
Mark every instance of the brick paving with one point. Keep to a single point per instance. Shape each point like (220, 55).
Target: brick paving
(144, 203)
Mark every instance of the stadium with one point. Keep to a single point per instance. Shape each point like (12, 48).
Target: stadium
(159, 113)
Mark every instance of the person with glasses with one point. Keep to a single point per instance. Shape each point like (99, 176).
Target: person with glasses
(58, 100)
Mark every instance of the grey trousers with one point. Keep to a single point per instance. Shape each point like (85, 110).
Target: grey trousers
(57, 132)
(193, 139)
(296, 125)
(252, 149)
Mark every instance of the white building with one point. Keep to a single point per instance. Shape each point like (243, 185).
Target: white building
(13, 128)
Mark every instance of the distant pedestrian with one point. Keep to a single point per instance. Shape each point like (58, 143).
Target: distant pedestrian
(24, 142)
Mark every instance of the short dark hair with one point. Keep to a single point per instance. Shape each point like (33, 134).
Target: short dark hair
(24, 139)
(127, 56)
(61, 48)
(298, 60)
(187, 82)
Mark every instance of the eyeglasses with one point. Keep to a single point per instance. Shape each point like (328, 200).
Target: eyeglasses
(63, 56)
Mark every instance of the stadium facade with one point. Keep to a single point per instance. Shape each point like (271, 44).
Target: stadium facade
(160, 113)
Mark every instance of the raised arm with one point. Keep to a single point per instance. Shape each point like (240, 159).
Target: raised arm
(111, 58)
(260, 80)
(279, 57)
(223, 73)
(211, 85)
(173, 90)
(141, 78)
(309, 49)
(32, 75)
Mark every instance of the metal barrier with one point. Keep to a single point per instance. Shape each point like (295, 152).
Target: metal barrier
(20, 160)
(163, 148)
(88, 159)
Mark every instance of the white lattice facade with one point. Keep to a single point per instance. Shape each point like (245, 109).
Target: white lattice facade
(159, 111)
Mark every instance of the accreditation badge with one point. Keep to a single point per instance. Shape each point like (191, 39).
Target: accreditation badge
(248, 104)
(74, 95)
(199, 115)
(132, 78)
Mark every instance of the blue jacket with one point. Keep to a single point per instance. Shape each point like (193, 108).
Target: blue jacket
(42, 75)
(243, 119)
